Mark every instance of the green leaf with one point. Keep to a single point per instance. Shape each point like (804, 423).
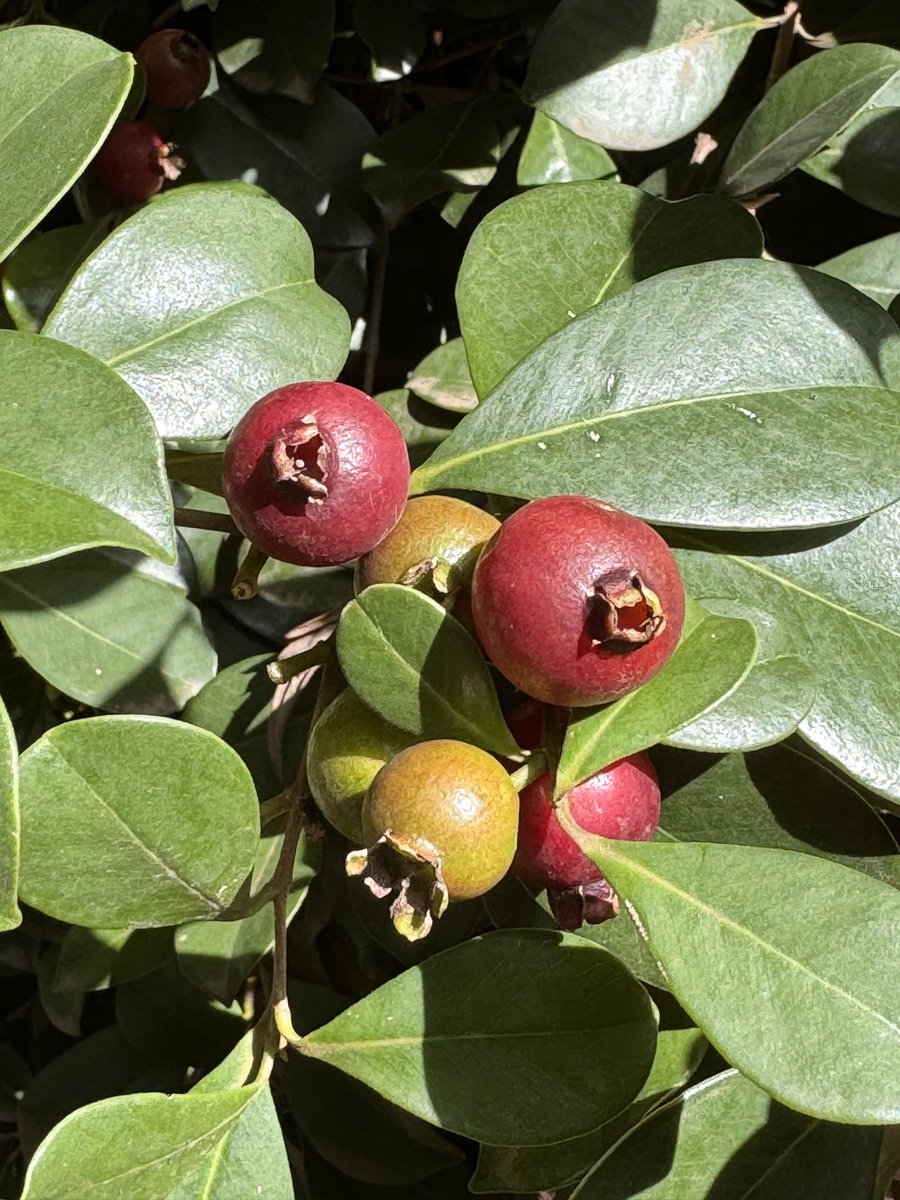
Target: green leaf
(419, 668)
(725, 1138)
(394, 33)
(771, 700)
(638, 76)
(82, 462)
(94, 959)
(197, 468)
(861, 160)
(37, 272)
(47, 73)
(561, 1040)
(540, 259)
(873, 268)
(804, 111)
(544, 1168)
(815, 1026)
(141, 1145)
(160, 818)
(841, 589)
(707, 666)
(731, 438)
(63, 1009)
(779, 797)
(275, 45)
(442, 378)
(423, 429)
(10, 916)
(553, 154)
(230, 311)
(109, 628)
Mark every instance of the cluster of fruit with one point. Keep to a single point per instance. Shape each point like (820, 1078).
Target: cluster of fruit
(573, 601)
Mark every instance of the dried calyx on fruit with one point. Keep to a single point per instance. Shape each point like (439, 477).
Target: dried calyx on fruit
(577, 602)
(316, 474)
(620, 801)
(440, 822)
(435, 544)
(134, 162)
(176, 65)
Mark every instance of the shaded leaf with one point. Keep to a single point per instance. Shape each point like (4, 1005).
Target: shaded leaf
(176, 846)
(93, 475)
(10, 916)
(230, 312)
(46, 74)
(640, 76)
(861, 160)
(535, 1057)
(553, 154)
(408, 659)
(37, 272)
(423, 429)
(93, 959)
(394, 32)
(63, 1009)
(275, 45)
(873, 268)
(197, 468)
(442, 377)
(706, 359)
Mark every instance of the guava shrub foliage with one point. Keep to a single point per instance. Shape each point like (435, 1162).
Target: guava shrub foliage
(449, 739)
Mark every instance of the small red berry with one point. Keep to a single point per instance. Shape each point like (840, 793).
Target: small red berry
(577, 602)
(316, 474)
(176, 65)
(134, 162)
(620, 801)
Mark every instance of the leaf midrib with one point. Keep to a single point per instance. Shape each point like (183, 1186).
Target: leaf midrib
(54, 95)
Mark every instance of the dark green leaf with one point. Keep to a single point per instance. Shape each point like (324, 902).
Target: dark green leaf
(707, 666)
(10, 916)
(36, 274)
(805, 934)
(197, 468)
(843, 592)
(725, 1139)
(560, 1041)
(804, 111)
(732, 437)
(443, 378)
(394, 32)
(873, 268)
(275, 45)
(544, 1168)
(422, 427)
(230, 311)
(553, 154)
(113, 629)
(82, 462)
(540, 259)
(63, 1009)
(47, 73)
(408, 659)
(638, 76)
(94, 959)
(160, 818)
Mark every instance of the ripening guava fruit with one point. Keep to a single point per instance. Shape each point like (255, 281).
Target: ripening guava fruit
(176, 65)
(134, 162)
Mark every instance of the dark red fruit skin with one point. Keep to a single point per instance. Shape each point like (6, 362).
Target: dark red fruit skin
(176, 65)
(129, 163)
(621, 801)
(367, 476)
(526, 723)
(533, 591)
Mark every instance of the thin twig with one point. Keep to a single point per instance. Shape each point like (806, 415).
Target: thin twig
(373, 329)
(281, 670)
(534, 768)
(195, 518)
(469, 51)
(784, 43)
(243, 586)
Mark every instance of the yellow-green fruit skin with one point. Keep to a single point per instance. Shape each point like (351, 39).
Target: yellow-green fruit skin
(347, 748)
(431, 527)
(451, 799)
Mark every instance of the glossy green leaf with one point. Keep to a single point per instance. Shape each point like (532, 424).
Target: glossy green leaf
(725, 1139)
(707, 666)
(543, 1168)
(826, 1037)
(771, 700)
(804, 111)
(841, 589)
(861, 160)
(110, 628)
(230, 311)
(553, 154)
(638, 76)
(37, 272)
(748, 407)
(47, 73)
(442, 378)
(873, 268)
(93, 959)
(275, 45)
(10, 916)
(82, 462)
(779, 797)
(143, 1143)
(561, 1040)
(407, 658)
(539, 260)
(394, 32)
(160, 818)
